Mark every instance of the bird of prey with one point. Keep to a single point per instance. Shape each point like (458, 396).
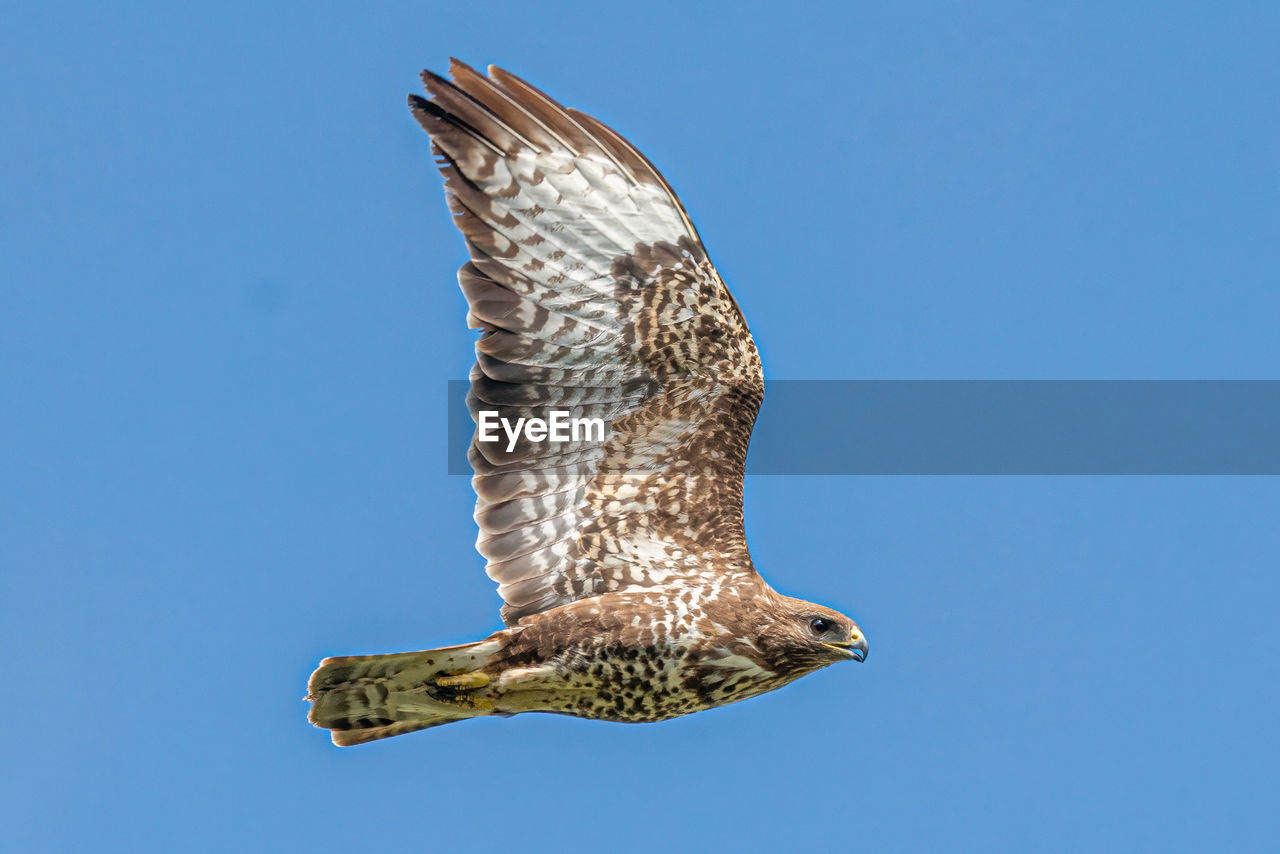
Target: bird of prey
(621, 558)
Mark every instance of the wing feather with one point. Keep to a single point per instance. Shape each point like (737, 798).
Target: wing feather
(595, 295)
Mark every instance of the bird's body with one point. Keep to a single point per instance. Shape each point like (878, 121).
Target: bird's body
(622, 561)
(604, 658)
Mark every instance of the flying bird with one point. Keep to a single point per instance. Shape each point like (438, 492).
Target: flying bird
(621, 559)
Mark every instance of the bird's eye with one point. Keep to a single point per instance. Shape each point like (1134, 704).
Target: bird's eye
(819, 626)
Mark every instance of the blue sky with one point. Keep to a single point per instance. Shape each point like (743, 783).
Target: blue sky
(227, 319)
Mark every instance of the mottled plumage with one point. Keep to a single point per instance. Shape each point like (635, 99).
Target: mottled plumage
(628, 591)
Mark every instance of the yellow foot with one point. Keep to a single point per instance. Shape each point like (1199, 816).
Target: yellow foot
(463, 680)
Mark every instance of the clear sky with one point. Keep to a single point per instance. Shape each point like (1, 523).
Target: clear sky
(228, 315)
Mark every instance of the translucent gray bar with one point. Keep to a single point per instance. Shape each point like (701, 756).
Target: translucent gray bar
(994, 427)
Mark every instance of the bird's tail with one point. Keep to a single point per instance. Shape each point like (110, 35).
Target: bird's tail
(368, 697)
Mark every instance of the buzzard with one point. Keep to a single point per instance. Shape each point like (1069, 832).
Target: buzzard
(621, 558)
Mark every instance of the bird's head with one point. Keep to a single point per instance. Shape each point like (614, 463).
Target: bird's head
(801, 636)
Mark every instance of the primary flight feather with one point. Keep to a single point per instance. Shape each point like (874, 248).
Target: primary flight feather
(628, 590)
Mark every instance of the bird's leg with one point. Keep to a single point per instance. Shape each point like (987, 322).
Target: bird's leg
(460, 689)
(463, 681)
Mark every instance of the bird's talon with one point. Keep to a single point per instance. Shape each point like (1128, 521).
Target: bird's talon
(463, 680)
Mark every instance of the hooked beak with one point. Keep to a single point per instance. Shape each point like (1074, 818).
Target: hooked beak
(855, 647)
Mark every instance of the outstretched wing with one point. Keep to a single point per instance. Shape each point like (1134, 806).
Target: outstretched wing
(596, 298)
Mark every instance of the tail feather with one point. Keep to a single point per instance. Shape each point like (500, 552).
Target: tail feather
(363, 698)
(346, 738)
